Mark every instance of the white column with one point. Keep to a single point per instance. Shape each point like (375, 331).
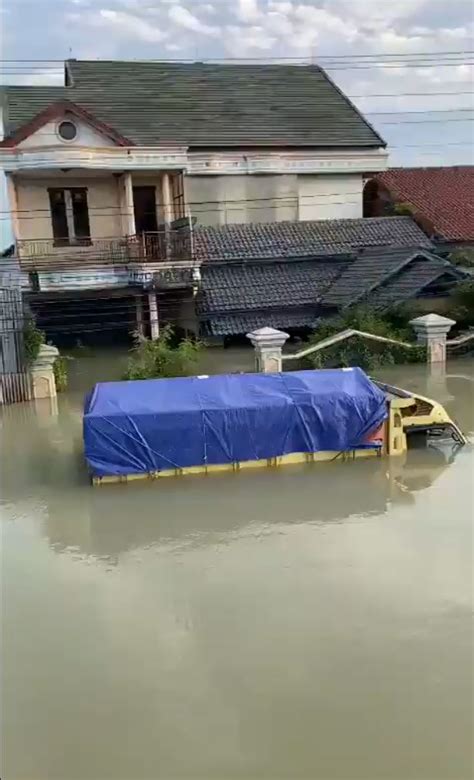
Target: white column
(431, 331)
(166, 199)
(126, 204)
(154, 322)
(268, 344)
(13, 203)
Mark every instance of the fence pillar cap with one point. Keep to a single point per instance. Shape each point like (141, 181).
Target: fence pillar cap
(432, 319)
(432, 324)
(268, 337)
(46, 356)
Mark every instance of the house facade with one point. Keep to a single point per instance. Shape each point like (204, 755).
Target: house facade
(109, 176)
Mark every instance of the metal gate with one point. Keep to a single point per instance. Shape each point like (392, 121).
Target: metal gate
(15, 380)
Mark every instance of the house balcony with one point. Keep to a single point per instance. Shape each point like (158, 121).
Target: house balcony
(152, 259)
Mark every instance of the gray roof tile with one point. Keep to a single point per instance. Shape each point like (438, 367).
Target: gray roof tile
(205, 105)
(236, 287)
(321, 238)
(411, 281)
(241, 324)
(364, 275)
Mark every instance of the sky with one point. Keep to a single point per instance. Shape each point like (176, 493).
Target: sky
(307, 30)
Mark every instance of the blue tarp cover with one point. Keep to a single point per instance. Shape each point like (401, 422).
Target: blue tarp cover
(152, 425)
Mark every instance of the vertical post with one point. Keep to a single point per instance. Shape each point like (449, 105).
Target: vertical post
(166, 199)
(432, 330)
(268, 344)
(139, 314)
(154, 322)
(126, 204)
(12, 194)
(167, 212)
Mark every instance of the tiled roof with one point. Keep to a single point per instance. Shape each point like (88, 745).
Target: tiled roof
(444, 197)
(411, 281)
(276, 240)
(205, 105)
(241, 324)
(365, 274)
(235, 287)
(238, 297)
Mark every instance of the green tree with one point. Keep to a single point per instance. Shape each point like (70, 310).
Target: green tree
(163, 357)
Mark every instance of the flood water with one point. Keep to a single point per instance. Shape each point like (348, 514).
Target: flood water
(312, 622)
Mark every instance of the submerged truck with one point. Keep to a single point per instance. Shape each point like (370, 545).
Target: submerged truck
(150, 429)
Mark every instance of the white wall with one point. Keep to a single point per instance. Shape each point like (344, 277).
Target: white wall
(218, 200)
(34, 208)
(334, 196)
(47, 136)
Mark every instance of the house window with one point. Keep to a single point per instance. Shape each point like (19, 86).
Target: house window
(177, 196)
(67, 130)
(69, 216)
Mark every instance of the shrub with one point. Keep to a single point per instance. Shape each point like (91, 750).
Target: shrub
(359, 351)
(463, 257)
(163, 357)
(60, 373)
(462, 309)
(33, 338)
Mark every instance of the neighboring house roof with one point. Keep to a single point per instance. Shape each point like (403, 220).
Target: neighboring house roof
(234, 287)
(386, 278)
(204, 105)
(443, 198)
(321, 238)
(412, 281)
(238, 297)
(240, 324)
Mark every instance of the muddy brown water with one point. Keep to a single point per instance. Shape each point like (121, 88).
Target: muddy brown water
(303, 623)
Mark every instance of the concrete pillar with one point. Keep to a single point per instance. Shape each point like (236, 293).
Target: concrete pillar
(42, 373)
(431, 331)
(166, 199)
(139, 314)
(268, 344)
(154, 321)
(126, 204)
(12, 196)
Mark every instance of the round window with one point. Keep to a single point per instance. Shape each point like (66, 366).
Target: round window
(67, 130)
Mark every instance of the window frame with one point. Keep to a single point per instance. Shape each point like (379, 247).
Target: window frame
(71, 217)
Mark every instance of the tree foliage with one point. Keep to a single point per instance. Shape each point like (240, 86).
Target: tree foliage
(33, 338)
(163, 357)
(462, 308)
(463, 257)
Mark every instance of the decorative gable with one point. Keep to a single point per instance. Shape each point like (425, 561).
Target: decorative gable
(76, 132)
(65, 124)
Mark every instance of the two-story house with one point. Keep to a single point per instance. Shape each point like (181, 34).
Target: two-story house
(109, 176)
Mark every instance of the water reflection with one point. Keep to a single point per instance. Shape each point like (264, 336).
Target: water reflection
(304, 622)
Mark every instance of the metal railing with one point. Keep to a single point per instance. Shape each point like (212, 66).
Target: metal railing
(170, 245)
(343, 336)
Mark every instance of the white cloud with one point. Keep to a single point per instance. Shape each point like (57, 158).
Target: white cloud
(241, 42)
(280, 6)
(173, 47)
(208, 8)
(247, 10)
(131, 26)
(184, 18)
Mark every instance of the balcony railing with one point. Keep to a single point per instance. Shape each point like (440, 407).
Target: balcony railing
(172, 245)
